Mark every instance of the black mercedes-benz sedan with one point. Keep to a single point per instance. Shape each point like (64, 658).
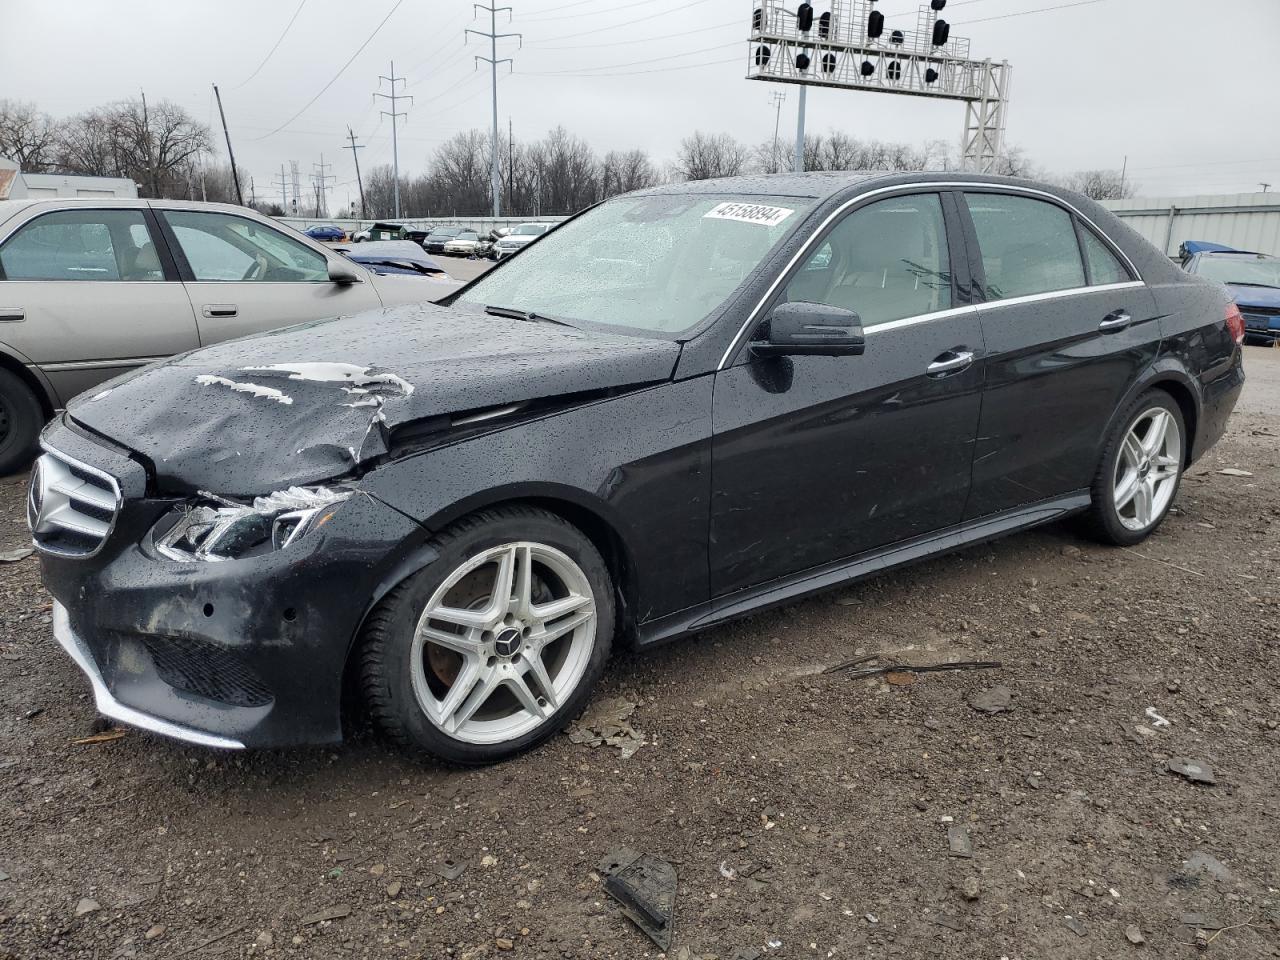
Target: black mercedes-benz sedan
(684, 405)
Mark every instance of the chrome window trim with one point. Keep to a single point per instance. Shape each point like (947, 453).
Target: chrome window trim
(60, 366)
(100, 474)
(929, 186)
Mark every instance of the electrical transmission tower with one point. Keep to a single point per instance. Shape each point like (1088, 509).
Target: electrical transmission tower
(395, 147)
(320, 181)
(284, 189)
(493, 37)
(353, 147)
(777, 98)
(296, 177)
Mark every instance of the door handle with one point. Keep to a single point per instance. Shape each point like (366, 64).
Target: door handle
(950, 362)
(1116, 320)
(12, 313)
(218, 310)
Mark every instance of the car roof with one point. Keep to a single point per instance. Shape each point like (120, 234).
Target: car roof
(825, 184)
(1232, 254)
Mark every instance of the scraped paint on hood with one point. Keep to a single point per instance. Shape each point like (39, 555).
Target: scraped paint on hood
(309, 403)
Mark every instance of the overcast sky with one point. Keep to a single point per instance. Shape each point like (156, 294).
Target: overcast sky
(1092, 82)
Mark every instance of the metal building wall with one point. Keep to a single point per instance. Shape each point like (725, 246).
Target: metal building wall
(1246, 221)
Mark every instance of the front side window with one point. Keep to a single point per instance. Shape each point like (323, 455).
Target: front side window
(83, 245)
(885, 261)
(1028, 246)
(1104, 268)
(657, 264)
(221, 247)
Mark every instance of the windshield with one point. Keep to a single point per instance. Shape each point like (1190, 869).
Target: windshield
(1259, 272)
(446, 232)
(660, 264)
(528, 230)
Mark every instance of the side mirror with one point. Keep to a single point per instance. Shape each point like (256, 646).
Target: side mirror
(343, 273)
(812, 329)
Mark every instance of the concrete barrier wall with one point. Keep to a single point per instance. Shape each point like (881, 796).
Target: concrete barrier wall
(480, 225)
(1246, 221)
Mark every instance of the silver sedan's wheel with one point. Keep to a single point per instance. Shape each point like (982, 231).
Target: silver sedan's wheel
(1147, 469)
(503, 642)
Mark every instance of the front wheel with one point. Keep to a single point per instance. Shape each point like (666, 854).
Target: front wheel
(1140, 472)
(21, 418)
(496, 645)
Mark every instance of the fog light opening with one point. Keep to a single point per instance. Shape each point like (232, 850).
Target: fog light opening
(208, 609)
(290, 614)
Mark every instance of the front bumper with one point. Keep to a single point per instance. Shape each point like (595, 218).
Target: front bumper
(236, 653)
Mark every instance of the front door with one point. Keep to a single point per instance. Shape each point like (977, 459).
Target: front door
(1068, 327)
(245, 277)
(817, 459)
(87, 296)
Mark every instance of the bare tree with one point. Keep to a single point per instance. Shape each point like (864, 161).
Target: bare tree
(28, 136)
(1099, 184)
(705, 156)
(623, 172)
(1014, 162)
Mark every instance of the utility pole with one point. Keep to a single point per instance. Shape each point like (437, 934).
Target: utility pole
(253, 192)
(284, 189)
(395, 147)
(511, 163)
(320, 182)
(297, 184)
(778, 98)
(354, 156)
(1124, 168)
(235, 177)
(1265, 187)
(493, 36)
(799, 161)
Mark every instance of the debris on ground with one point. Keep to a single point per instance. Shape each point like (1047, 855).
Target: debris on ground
(115, 733)
(1156, 719)
(155, 932)
(972, 889)
(1201, 922)
(604, 723)
(898, 673)
(1133, 933)
(1076, 926)
(645, 886)
(1205, 864)
(996, 700)
(1197, 771)
(336, 912)
(1234, 472)
(13, 556)
(450, 869)
(959, 842)
(87, 905)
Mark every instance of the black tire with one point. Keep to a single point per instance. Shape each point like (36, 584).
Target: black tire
(21, 418)
(386, 640)
(1102, 522)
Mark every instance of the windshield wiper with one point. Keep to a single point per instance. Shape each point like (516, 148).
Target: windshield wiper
(527, 315)
(1252, 283)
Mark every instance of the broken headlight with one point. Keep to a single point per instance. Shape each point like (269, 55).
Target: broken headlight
(214, 528)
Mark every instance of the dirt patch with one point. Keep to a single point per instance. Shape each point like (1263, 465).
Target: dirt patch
(813, 812)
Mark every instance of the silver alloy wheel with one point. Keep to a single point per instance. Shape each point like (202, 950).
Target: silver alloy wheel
(518, 649)
(1147, 468)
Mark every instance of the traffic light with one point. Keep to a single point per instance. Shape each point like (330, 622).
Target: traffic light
(824, 26)
(804, 17)
(828, 63)
(763, 55)
(941, 31)
(931, 75)
(875, 24)
(867, 68)
(802, 61)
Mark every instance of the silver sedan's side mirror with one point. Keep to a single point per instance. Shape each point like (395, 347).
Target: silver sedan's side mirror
(343, 273)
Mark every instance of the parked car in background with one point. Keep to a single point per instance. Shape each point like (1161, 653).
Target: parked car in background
(463, 245)
(394, 256)
(1252, 278)
(519, 238)
(438, 237)
(486, 245)
(93, 288)
(326, 232)
(380, 231)
(682, 406)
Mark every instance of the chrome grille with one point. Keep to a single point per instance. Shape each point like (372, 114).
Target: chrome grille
(71, 506)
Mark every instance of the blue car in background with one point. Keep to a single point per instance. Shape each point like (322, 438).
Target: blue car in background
(326, 231)
(394, 257)
(1252, 278)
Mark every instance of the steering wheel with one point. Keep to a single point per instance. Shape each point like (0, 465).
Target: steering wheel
(256, 269)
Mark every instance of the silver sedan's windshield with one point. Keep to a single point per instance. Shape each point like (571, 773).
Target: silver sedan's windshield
(660, 264)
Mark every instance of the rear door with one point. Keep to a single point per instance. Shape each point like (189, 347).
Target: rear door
(89, 293)
(1068, 326)
(817, 459)
(243, 276)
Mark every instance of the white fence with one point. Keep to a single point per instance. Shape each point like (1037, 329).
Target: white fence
(480, 225)
(1246, 221)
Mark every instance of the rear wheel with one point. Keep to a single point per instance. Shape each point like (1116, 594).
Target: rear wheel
(1140, 472)
(21, 418)
(497, 644)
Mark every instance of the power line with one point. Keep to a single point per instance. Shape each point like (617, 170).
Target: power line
(1027, 13)
(274, 46)
(537, 44)
(636, 73)
(350, 60)
(589, 13)
(628, 23)
(581, 71)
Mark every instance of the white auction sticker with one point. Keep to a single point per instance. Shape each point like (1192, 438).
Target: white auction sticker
(749, 213)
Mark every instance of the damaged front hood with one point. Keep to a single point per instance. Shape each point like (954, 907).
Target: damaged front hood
(310, 402)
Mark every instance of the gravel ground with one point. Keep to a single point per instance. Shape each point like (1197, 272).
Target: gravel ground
(800, 809)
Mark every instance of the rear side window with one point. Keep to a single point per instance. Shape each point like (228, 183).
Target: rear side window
(1104, 268)
(83, 245)
(1028, 246)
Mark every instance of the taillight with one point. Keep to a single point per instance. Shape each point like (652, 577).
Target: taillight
(1235, 323)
